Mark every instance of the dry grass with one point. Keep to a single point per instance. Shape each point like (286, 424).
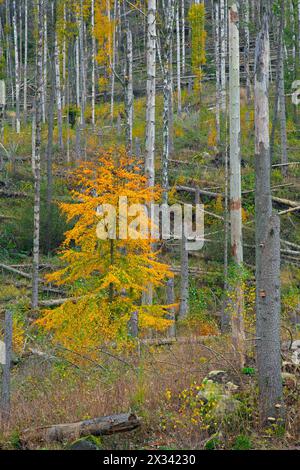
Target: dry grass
(149, 385)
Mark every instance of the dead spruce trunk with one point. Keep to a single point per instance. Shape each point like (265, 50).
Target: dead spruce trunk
(238, 334)
(267, 245)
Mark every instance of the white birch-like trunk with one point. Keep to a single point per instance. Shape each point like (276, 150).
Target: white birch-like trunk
(37, 160)
(17, 68)
(93, 61)
(129, 89)
(267, 246)
(151, 81)
(179, 104)
(183, 36)
(167, 92)
(247, 49)
(235, 176)
(25, 58)
(216, 18)
(45, 60)
(58, 93)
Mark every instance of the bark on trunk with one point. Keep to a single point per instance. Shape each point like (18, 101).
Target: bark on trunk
(96, 427)
(267, 245)
(235, 178)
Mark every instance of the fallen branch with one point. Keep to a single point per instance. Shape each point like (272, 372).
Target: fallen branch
(286, 202)
(7, 217)
(9, 194)
(93, 427)
(180, 340)
(289, 211)
(15, 271)
(56, 302)
(202, 192)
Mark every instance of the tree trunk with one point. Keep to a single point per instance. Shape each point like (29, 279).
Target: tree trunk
(37, 160)
(151, 81)
(235, 179)
(267, 245)
(184, 279)
(96, 427)
(17, 68)
(129, 89)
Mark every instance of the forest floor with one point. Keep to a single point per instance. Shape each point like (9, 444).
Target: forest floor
(163, 385)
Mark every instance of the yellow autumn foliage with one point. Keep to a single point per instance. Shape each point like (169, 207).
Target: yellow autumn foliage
(106, 277)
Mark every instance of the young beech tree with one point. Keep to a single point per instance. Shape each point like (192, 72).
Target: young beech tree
(106, 277)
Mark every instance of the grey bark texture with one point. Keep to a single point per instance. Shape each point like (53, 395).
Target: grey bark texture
(267, 245)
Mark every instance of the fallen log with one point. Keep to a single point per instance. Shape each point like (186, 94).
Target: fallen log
(9, 194)
(15, 271)
(286, 202)
(289, 211)
(202, 192)
(92, 427)
(56, 302)
(176, 340)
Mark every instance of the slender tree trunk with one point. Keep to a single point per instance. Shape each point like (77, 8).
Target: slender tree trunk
(50, 134)
(184, 279)
(171, 301)
(179, 106)
(223, 29)
(37, 160)
(25, 58)
(281, 97)
(235, 178)
(45, 61)
(93, 61)
(167, 92)
(17, 68)
(150, 106)
(183, 35)
(267, 245)
(58, 94)
(216, 16)
(129, 89)
(247, 49)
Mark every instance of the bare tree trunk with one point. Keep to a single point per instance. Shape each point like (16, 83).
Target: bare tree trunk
(183, 35)
(25, 58)
(45, 61)
(281, 97)
(223, 30)
(50, 132)
(17, 69)
(37, 160)
(247, 49)
(267, 245)
(179, 106)
(5, 399)
(184, 279)
(167, 92)
(216, 17)
(129, 89)
(58, 94)
(235, 177)
(93, 61)
(171, 301)
(150, 107)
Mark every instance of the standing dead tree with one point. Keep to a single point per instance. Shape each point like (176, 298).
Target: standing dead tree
(267, 245)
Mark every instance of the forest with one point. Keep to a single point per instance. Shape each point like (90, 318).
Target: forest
(150, 225)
